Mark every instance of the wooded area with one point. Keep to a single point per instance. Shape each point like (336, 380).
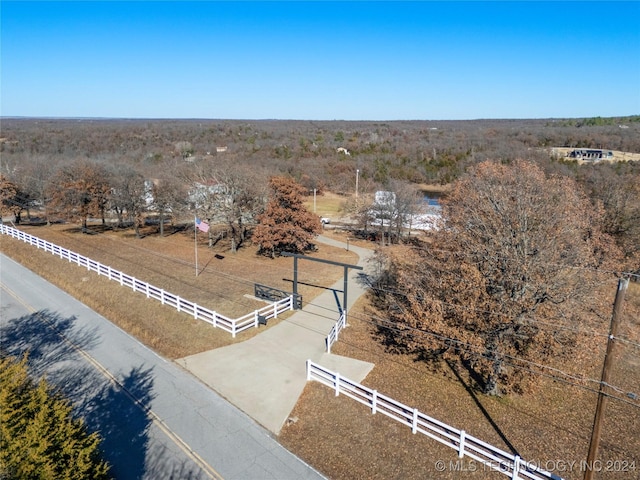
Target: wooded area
(523, 231)
(502, 294)
(418, 151)
(219, 169)
(507, 261)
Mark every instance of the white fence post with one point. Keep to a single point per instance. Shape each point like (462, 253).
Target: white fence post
(374, 401)
(337, 384)
(166, 297)
(308, 370)
(461, 447)
(414, 423)
(516, 468)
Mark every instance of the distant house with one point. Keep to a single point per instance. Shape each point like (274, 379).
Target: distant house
(591, 154)
(426, 221)
(221, 149)
(199, 193)
(384, 210)
(148, 191)
(384, 199)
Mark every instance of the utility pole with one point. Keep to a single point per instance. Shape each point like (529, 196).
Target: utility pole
(623, 283)
(195, 241)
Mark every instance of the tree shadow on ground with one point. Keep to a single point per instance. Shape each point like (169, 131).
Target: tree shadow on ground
(160, 465)
(51, 343)
(117, 408)
(364, 279)
(472, 393)
(394, 342)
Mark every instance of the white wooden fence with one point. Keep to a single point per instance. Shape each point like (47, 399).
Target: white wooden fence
(492, 457)
(233, 326)
(335, 330)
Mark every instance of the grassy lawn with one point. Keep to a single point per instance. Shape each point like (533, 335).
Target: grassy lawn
(225, 280)
(339, 436)
(327, 205)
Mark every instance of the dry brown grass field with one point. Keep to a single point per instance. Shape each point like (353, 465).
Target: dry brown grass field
(339, 436)
(551, 426)
(225, 280)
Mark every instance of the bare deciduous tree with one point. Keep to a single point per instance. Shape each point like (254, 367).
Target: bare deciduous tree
(517, 247)
(168, 197)
(619, 191)
(79, 190)
(13, 200)
(128, 195)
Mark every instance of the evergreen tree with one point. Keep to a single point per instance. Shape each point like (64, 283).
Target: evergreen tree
(39, 438)
(286, 225)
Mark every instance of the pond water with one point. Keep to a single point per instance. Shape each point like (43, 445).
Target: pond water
(431, 200)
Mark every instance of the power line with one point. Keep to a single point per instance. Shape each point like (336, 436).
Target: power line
(520, 367)
(286, 270)
(472, 349)
(496, 256)
(627, 341)
(487, 312)
(477, 350)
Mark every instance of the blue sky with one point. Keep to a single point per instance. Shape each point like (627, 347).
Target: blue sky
(320, 60)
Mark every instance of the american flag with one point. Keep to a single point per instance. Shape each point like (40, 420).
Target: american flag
(202, 225)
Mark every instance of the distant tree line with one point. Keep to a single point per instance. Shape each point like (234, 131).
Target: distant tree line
(220, 170)
(415, 151)
(524, 238)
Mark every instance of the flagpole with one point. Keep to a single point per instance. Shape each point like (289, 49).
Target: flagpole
(195, 241)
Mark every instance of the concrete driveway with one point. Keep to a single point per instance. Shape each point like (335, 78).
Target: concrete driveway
(265, 375)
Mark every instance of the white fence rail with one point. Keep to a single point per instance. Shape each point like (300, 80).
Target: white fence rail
(198, 312)
(335, 330)
(496, 459)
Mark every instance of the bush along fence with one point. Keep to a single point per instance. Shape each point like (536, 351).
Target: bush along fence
(465, 445)
(233, 326)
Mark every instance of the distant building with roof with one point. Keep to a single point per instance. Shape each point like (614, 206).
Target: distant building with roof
(591, 154)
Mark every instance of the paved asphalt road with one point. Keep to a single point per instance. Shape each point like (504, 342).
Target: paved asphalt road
(158, 421)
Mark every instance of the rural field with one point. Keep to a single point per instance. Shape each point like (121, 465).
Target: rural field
(549, 426)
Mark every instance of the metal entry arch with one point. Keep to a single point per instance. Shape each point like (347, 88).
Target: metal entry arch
(346, 267)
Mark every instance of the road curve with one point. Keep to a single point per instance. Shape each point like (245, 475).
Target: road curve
(158, 421)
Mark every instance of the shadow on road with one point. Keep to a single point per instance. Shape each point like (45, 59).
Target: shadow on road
(117, 407)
